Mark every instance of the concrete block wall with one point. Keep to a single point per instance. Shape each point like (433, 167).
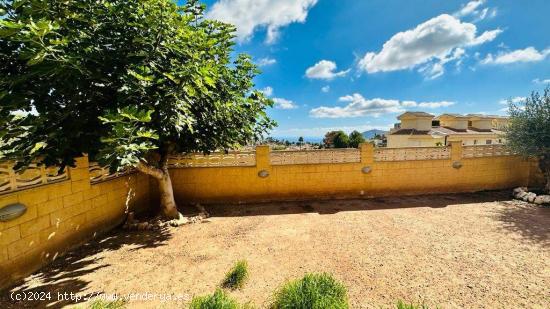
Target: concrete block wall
(62, 215)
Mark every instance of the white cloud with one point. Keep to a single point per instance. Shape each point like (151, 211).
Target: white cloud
(358, 106)
(483, 13)
(281, 103)
(506, 110)
(474, 9)
(268, 91)
(249, 15)
(529, 54)
(434, 41)
(514, 100)
(436, 69)
(266, 61)
(427, 104)
(486, 36)
(409, 104)
(324, 69)
(435, 104)
(469, 8)
(325, 89)
(541, 81)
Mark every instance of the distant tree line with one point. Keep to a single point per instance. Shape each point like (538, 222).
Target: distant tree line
(339, 139)
(287, 143)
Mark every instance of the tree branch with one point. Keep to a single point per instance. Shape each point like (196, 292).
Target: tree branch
(150, 170)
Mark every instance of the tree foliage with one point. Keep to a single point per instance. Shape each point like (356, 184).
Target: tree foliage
(336, 139)
(124, 81)
(356, 138)
(528, 131)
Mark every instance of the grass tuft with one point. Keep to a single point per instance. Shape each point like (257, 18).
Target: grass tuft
(313, 291)
(218, 300)
(103, 304)
(236, 277)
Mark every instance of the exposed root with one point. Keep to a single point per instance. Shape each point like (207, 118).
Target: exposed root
(157, 223)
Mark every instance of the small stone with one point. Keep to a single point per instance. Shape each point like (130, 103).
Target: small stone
(530, 197)
(519, 190)
(542, 199)
(521, 195)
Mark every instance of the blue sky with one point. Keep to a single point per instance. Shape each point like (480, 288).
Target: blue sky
(353, 64)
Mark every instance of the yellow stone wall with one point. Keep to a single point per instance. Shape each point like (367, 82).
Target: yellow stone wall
(62, 215)
(242, 184)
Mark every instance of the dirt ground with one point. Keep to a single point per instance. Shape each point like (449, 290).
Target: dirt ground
(454, 251)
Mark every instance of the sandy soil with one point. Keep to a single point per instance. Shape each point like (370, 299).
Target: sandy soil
(455, 251)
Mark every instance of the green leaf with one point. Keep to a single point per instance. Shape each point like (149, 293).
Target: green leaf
(140, 77)
(10, 25)
(147, 134)
(36, 59)
(171, 77)
(38, 146)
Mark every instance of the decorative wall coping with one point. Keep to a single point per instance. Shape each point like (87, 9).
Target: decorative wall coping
(100, 173)
(320, 156)
(263, 157)
(33, 176)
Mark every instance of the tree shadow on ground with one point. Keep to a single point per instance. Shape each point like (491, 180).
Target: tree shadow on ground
(530, 221)
(333, 206)
(64, 276)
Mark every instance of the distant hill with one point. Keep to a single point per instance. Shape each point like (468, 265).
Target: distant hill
(371, 133)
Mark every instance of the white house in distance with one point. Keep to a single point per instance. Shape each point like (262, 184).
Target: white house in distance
(420, 129)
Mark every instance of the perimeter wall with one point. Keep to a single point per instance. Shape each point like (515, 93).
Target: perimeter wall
(64, 210)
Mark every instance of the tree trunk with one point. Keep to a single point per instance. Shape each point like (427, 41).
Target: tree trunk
(544, 165)
(167, 201)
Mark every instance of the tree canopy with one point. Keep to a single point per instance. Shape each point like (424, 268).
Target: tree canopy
(117, 78)
(528, 131)
(336, 139)
(356, 138)
(125, 81)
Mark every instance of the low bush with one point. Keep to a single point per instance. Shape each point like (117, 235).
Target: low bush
(313, 291)
(218, 300)
(236, 277)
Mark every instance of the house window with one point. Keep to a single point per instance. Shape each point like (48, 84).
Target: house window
(500, 141)
(475, 141)
(488, 142)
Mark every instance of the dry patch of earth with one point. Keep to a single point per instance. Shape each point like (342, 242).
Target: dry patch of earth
(477, 250)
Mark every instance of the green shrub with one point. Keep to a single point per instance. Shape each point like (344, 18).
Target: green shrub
(236, 277)
(402, 305)
(218, 300)
(103, 304)
(313, 291)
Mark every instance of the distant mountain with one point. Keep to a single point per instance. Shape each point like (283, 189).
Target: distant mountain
(371, 133)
